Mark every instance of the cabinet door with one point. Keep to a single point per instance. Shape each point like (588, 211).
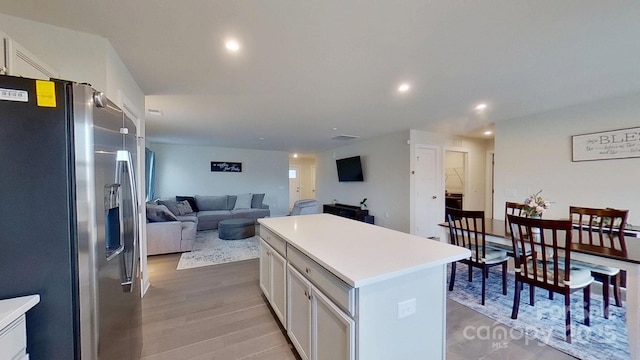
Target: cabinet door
(278, 286)
(299, 312)
(333, 331)
(265, 269)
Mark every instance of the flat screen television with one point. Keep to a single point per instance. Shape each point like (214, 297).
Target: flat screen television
(349, 169)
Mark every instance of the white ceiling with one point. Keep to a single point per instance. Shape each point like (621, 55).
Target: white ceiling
(306, 67)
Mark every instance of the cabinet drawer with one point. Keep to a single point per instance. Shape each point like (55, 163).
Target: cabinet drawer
(13, 340)
(342, 294)
(277, 243)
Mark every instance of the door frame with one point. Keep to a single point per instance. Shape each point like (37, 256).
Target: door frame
(299, 178)
(467, 182)
(412, 184)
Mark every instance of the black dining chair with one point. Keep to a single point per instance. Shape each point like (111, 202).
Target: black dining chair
(601, 230)
(512, 208)
(467, 229)
(548, 264)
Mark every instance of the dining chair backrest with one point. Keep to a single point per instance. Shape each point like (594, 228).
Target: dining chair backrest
(602, 228)
(467, 229)
(512, 208)
(548, 262)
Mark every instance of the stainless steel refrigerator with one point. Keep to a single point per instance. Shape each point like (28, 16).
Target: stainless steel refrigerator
(68, 223)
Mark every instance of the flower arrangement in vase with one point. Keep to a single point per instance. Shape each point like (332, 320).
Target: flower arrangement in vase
(535, 205)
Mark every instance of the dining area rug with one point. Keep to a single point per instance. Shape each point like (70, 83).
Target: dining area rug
(208, 250)
(545, 321)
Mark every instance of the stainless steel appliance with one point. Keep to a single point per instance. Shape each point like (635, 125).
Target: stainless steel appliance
(68, 219)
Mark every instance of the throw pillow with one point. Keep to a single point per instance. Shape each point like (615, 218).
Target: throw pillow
(191, 200)
(243, 201)
(171, 205)
(256, 201)
(158, 213)
(184, 207)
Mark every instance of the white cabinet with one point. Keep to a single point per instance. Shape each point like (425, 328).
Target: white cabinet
(13, 328)
(333, 332)
(273, 279)
(265, 271)
(316, 326)
(278, 270)
(299, 312)
(16, 60)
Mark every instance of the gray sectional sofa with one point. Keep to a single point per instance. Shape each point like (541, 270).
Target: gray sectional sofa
(172, 224)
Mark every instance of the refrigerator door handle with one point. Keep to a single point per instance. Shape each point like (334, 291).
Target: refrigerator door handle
(129, 268)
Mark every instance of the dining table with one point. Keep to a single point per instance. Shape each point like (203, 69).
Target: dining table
(496, 235)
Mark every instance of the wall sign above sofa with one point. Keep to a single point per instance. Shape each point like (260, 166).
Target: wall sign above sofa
(614, 144)
(225, 166)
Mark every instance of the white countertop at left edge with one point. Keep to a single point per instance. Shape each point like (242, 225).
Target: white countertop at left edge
(11, 309)
(359, 253)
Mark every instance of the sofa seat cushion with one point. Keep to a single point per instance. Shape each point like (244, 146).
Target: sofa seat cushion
(189, 218)
(250, 213)
(208, 220)
(210, 215)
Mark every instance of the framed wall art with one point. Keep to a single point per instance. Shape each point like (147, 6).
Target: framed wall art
(226, 166)
(605, 145)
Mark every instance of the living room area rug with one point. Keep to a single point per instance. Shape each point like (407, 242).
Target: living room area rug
(210, 250)
(604, 339)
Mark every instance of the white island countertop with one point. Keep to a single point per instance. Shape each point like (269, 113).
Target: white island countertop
(359, 253)
(11, 309)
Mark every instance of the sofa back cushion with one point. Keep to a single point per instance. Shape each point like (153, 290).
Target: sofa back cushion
(256, 201)
(206, 203)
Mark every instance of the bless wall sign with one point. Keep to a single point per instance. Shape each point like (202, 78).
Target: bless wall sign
(225, 166)
(614, 144)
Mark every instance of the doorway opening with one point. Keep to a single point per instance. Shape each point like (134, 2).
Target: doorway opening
(456, 180)
(302, 178)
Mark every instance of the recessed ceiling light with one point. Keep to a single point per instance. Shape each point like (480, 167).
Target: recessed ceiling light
(232, 45)
(334, 129)
(404, 87)
(295, 155)
(260, 138)
(481, 106)
(488, 132)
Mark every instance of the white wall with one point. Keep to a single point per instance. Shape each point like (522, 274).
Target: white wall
(385, 163)
(77, 56)
(534, 153)
(186, 170)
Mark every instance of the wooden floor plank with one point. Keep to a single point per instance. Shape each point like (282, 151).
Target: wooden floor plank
(211, 312)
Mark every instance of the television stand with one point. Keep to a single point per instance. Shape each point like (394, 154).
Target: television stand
(348, 211)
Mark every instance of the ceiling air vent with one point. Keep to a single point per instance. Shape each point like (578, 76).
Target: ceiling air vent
(343, 137)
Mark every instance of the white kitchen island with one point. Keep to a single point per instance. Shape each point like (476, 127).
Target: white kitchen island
(344, 289)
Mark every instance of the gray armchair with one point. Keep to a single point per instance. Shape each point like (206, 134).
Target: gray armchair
(306, 206)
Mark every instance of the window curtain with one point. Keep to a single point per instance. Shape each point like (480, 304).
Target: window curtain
(150, 174)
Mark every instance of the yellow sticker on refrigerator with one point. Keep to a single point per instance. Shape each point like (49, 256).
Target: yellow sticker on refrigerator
(46, 93)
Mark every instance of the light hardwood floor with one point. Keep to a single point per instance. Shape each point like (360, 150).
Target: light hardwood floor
(218, 312)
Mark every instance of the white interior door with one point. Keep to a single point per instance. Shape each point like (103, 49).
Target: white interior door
(313, 182)
(428, 193)
(294, 185)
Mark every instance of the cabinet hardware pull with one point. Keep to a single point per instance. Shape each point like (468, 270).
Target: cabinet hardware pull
(308, 270)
